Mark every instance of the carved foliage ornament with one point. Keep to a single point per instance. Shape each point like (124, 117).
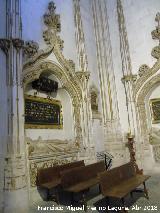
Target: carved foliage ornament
(156, 52)
(31, 48)
(143, 69)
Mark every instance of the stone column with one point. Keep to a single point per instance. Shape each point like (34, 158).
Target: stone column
(15, 180)
(83, 72)
(113, 141)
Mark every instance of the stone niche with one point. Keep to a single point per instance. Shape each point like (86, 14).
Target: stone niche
(48, 147)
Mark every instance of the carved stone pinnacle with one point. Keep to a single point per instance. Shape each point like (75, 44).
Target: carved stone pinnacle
(51, 19)
(158, 18)
(156, 33)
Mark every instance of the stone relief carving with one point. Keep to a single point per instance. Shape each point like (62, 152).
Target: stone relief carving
(41, 147)
(48, 153)
(45, 163)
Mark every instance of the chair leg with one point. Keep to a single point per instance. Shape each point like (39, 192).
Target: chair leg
(122, 200)
(57, 195)
(72, 198)
(84, 202)
(123, 203)
(48, 194)
(99, 188)
(145, 191)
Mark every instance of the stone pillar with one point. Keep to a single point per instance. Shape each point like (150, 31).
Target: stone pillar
(128, 78)
(83, 73)
(15, 180)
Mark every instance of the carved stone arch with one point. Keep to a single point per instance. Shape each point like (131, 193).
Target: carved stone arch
(68, 83)
(140, 101)
(147, 80)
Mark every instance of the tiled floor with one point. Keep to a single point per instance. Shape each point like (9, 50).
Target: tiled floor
(96, 203)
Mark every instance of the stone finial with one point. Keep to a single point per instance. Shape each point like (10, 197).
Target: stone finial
(5, 45)
(158, 18)
(51, 19)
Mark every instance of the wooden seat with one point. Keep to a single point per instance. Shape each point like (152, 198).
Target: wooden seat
(49, 178)
(82, 178)
(121, 190)
(83, 185)
(120, 181)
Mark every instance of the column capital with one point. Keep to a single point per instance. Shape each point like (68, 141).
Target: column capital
(5, 44)
(17, 43)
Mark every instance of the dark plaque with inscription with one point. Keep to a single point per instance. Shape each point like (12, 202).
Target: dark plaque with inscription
(42, 113)
(155, 110)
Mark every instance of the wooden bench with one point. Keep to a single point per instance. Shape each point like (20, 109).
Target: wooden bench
(50, 178)
(120, 181)
(81, 179)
